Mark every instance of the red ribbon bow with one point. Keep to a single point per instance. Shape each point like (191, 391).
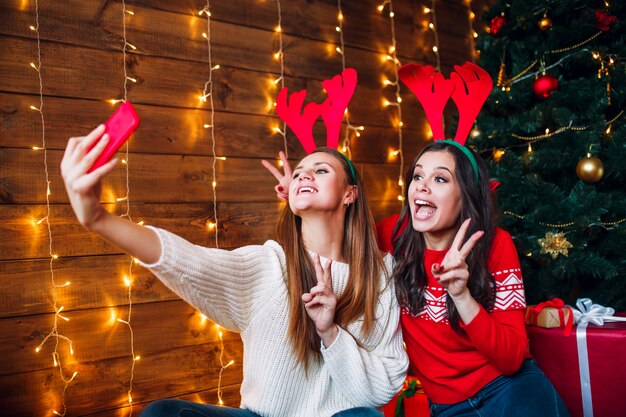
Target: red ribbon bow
(559, 305)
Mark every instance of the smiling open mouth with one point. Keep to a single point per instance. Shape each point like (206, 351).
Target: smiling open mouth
(310, 190)
(424, 209)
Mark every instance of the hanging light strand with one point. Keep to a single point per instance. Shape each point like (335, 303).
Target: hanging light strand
(279, 55)
(222, 365)
(393, 57)
(433, 26)
(472, 33)
(54, 332)
(208, 94)
(342, 51)
(127, 280)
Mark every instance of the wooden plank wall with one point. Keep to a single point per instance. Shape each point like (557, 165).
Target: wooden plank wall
(170, 172)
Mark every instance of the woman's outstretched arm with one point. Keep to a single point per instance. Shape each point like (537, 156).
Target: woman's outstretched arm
(84, 190)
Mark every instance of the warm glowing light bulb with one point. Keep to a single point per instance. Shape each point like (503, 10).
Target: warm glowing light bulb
(32, 64)
(340, 16)
(530, 148)
(426, 9)
(130, 12)
(400, 182)
(210, 225)
(435, 49)
(216, 67)
(400, 198)
(392, 49)
(114, 101)
(337, 28)
(391, 14)
(399, 99)
(386, 103)
(278, 29)
(34, 108)
(608, 130)
(277, 55)
(431, 25)
(32, 27)
(338, 49)
(127, 281)
(381, 7)
(137, 357)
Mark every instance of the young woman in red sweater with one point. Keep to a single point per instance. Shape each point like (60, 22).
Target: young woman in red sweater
(459, 282)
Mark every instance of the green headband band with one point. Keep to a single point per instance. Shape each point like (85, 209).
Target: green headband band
(466, 152)
(352, 170)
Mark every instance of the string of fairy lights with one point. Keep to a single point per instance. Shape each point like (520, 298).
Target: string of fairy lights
(280, 57)
(128, 278)
(207, 95)
(432, 25)
(341, 49)
(393, 58)
(472, 33)
(54, 334)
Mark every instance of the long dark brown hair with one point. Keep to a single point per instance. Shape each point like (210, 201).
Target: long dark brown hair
(477, 204)
(360, 251)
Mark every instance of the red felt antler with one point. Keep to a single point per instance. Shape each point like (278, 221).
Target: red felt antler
(333, 109)
(301, 123)
(472, 86)
(432, 90)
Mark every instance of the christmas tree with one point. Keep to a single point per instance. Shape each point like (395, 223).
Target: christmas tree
(552, 133)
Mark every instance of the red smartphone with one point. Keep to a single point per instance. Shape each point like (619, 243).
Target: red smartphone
(120, 126)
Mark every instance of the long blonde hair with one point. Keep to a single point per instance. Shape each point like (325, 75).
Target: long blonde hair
(360, 251)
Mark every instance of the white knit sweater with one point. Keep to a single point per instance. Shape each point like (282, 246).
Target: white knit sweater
(245, 290)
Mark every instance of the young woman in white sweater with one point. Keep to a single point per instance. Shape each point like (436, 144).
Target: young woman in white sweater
(316, 310)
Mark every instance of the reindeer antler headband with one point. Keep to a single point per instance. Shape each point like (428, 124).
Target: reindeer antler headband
(469, 86)
(339, 89)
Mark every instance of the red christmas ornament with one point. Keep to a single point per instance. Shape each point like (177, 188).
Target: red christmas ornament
(544, 85)
(496, 24)
(604, 20)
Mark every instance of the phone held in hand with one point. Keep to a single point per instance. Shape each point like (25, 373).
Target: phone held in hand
(120, 126)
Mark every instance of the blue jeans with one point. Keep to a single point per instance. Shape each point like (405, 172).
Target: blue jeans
(526, 393)
(180, 408)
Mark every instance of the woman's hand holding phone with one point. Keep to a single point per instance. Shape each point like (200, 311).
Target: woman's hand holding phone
(83, 187)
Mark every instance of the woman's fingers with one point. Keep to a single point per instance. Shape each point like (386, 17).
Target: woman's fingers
(319, 271)
(286, 166)
(272, 169)
(469, 245)
(460, 235)
(90, 157)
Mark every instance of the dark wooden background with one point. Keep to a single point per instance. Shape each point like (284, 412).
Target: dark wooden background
(170, 171)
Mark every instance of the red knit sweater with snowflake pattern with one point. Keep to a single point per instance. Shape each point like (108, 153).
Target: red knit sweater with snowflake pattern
(454, 366)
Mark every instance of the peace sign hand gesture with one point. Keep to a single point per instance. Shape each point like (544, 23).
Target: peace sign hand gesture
(453, 272)
(282, 188)
(320, 303)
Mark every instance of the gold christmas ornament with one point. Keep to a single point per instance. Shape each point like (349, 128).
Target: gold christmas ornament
(590, 169)
(555, 244)
(503, 80)
(545, 23)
